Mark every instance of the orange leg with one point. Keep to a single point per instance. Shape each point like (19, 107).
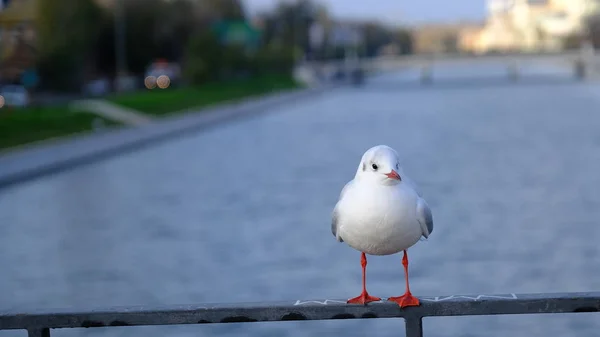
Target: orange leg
(364, 297)
(406, 300)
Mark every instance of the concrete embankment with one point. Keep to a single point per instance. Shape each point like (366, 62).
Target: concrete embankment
(62, 154)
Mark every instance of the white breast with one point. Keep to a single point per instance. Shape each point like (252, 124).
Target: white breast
(379, 220)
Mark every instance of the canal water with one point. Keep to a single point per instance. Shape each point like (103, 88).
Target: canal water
(242, 212)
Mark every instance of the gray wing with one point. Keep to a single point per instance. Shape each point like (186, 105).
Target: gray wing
(424, 217)
(334, 224)
(335, 217)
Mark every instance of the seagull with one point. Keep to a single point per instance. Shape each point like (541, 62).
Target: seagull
(380, 212)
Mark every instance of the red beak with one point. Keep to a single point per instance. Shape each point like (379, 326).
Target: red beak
(394, 175)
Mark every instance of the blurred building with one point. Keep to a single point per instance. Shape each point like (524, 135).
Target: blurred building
(468, 38)
(443, 38)
(529, 25)
(499, 33)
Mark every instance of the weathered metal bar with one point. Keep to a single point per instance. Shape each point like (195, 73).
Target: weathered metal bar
(414, 326)
(454, 305)
(44, 332)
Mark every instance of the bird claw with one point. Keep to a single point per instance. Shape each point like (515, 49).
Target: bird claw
(363, 299)
(406, 300)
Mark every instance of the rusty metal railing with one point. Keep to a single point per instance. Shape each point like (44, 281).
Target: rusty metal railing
(39, 323)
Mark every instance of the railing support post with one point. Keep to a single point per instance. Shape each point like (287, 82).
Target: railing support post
(513, 71)
(414, 326)
(580, 70)
(426, 76)
(43, 332)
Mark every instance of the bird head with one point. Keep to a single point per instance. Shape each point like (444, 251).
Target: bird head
(380, 164)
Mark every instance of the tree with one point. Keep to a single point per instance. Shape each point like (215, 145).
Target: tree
(593, 29)
(202, 58)
(164, 29)
(403, 39)
(590, 33)
(375, 36)
(67, 31)
(177, 26)
(209, 11)
(289, 23)
(229, 9)
(573, 41)
(143, 19)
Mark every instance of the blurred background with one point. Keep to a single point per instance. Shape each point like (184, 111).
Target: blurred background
(492, 105)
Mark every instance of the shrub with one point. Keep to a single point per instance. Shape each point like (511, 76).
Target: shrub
(202, 58)
(273, 60)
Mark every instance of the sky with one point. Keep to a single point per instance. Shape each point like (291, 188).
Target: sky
(395, 11)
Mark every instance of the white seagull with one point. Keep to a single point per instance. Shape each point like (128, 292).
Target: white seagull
(379, 212)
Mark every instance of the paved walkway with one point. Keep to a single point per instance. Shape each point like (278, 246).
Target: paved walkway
(112, 111)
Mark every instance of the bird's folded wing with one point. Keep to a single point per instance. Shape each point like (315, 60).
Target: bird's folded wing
(335, 217)
(334, 224)
(424, 217)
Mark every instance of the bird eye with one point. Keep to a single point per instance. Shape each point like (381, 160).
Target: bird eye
(374, 166)
(397, 166)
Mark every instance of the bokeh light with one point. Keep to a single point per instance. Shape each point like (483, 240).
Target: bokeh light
(163, 81)
(150, 82)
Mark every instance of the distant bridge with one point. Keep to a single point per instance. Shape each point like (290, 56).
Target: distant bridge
(585, 63)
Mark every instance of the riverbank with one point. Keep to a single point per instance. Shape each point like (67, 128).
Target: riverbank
(30, 162)
(162, 102)
(34, 124)
(19, 127)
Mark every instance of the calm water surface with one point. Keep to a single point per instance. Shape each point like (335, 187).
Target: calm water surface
(242, 212)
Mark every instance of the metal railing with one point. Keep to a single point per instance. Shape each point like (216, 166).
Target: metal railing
(38, 323)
